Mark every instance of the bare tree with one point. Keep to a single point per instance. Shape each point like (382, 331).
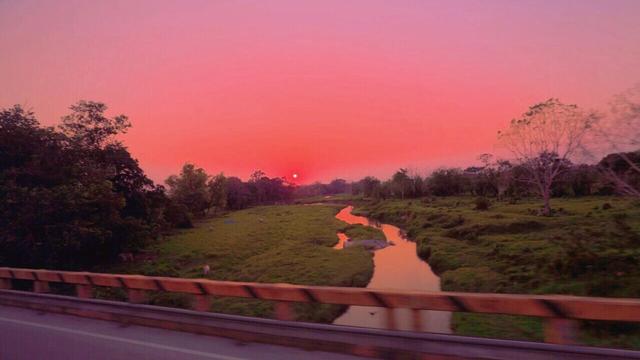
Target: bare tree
(621, 134)
(544, 140)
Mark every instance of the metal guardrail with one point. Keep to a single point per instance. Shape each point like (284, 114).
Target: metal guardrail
(362, 342)
(559, 310)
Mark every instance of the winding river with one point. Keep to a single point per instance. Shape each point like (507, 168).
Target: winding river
(395, 268)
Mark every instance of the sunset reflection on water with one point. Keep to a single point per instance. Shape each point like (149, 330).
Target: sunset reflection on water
(396, 268)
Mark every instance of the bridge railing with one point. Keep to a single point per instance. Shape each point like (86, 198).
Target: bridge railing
(560, 311)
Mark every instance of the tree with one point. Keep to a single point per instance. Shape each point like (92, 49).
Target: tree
(621, 135)
(370, 186)
(621, 170)
(258, 186)
(88, 124)
(447, 182)
(582, 179)
(337, 186)
(504, 179)
(238, 194)
(401, 182)
(544, 140)
(484, 179)
(384, 190)
(218, 192)
(418, 187)
(190, 189)
(71, 197)
(314, 189)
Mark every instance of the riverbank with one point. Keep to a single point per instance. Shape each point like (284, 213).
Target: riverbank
(397, 267)
(591, 247)
(274, 244)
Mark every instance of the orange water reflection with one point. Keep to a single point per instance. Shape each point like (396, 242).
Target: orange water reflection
(342, 238)
(396, 268)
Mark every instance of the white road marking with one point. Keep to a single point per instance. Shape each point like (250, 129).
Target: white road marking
(128, 341)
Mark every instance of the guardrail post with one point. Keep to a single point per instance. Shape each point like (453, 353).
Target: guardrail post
(391, 318)
(136, 296)
(201, 302)
(41, 286)
(284, 311)
(560, 331)
(416, 314)
(84, 291)
(5, 284)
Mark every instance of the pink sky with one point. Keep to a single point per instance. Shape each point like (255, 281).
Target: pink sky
(325, 89)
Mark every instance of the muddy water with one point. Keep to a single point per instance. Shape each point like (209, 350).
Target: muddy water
(396, 268)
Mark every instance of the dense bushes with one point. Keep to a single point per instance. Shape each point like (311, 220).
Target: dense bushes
(72, 197)
(482, 203)
(199, 193)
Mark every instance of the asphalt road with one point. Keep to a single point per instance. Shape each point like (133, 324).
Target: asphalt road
(27, 334)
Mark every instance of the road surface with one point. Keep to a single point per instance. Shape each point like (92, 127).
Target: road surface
(27, 334)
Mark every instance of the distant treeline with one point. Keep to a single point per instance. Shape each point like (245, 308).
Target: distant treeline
(336, 186)
(543, 142)
(72, 197)
(501, 179)
(199, 193)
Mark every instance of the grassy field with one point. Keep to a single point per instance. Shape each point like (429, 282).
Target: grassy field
(275, 244)
(328, 199)
(590, 247)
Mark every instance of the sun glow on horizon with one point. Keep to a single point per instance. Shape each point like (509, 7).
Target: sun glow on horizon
(336, 89)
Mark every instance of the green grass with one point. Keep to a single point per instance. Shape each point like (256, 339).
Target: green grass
(330, 199)
(585, 249)
(269, 244)
(361, 232)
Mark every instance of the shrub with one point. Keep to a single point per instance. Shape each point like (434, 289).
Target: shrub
(424, 250)
(177, 215)
(426, 225)
(482, 203)
(453, 222)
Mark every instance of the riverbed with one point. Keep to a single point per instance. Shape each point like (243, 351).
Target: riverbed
(396, 267)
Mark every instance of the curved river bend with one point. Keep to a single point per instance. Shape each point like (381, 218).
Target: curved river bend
(395, 268)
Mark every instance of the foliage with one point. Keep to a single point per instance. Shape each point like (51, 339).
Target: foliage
(72, 197)
(265, 190)
(217, 187)
(621, 134)
(190, 189)
(544, 140)
(622, 170)
(238, 195)
(502, 180)
(200, 193)
(89, 127)
(368, 186)
(482, 203)
(447, 182)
